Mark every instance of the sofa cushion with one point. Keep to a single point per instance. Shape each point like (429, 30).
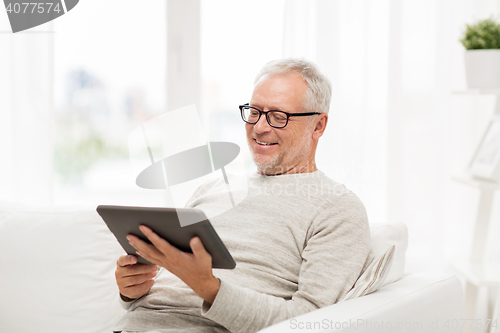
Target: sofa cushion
(384, 236)
(389, 243)
(57, 270)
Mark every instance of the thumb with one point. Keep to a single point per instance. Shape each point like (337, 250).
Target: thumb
(197, 247)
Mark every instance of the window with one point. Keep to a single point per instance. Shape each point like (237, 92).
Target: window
(108, 79)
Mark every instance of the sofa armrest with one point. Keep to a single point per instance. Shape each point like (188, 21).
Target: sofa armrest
(415, 303)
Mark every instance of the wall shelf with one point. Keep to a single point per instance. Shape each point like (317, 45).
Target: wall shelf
(477, 92)
(476, 182)
(475, 271)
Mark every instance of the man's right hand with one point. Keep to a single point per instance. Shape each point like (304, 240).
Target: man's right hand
(134, 280)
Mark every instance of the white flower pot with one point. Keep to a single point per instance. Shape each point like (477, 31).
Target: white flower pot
(482, 69)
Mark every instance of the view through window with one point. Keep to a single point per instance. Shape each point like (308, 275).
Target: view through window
(109, 78)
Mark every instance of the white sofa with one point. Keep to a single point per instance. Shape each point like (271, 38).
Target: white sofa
(57, 275)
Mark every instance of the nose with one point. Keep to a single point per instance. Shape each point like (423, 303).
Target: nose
(262, 126)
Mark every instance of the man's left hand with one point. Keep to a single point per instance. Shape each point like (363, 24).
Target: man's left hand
(195, 269)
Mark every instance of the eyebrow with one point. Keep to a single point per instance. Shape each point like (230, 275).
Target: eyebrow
(270, 109)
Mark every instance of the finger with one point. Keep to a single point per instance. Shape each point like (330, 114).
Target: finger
(144, 247)
(126, 260)
(138, 269)
(198, 248)
(160, 243)
(131, 270)
(134, 280)
(138, 243)
(137, 290)
(151, 258)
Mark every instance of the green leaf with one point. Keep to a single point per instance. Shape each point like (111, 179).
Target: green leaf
(483, 34)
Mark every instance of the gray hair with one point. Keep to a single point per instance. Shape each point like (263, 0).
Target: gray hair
(319, 88)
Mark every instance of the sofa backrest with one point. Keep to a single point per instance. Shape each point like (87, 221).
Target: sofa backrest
(57, 271)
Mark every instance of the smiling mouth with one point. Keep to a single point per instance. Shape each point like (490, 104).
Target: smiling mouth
(265, 143)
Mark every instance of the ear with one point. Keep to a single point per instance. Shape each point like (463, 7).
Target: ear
(320, 126)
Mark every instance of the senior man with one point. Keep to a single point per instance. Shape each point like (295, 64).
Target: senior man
(300, 239)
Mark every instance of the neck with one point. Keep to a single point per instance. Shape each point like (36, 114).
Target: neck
(306, 167)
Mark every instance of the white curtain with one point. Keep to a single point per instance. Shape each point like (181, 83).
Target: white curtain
(26, 115)
(349, 42)
(397, 132)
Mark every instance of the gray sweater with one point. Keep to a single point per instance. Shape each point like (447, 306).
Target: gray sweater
(299, 241)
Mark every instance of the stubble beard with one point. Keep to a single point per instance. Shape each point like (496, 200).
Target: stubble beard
(273, 166)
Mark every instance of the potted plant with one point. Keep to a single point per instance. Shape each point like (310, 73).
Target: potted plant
(482, 58)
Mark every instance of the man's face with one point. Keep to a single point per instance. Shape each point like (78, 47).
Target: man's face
(287, 148)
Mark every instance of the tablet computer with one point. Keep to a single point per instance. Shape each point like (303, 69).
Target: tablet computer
(124, 220)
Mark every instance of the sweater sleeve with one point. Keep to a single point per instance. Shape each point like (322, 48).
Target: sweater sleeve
(335, 250)
(125, 305)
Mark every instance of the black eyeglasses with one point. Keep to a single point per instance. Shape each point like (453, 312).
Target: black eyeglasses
(275, 118)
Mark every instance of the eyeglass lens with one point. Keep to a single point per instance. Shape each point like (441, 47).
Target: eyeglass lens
(275, 118)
